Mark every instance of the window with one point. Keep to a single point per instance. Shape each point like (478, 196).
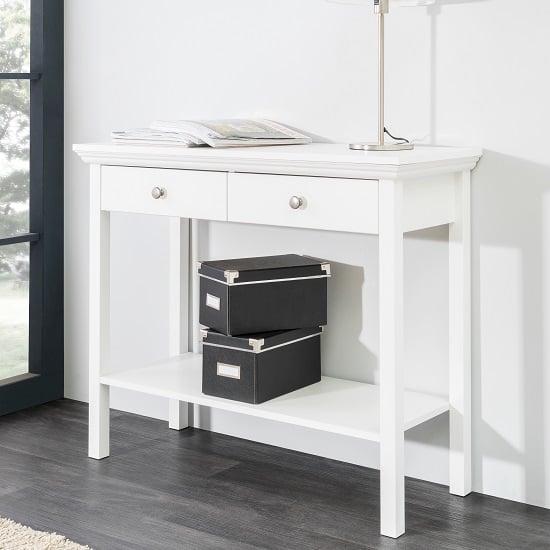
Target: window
(14, 186)
(31, 202)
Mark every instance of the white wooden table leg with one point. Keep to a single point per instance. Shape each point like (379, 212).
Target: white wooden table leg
(195, 295)
(99, 319)
(196, 341)
(460, 466)
(178, 414)
(392, 480)
(178, 340)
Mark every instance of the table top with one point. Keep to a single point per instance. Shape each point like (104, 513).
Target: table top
(323, 159)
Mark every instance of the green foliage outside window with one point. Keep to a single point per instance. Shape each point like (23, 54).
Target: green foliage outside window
(14, 124)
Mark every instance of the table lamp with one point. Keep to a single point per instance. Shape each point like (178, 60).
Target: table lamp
(381, 8)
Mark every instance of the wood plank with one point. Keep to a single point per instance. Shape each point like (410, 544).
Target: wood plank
(198, 490)
(332, 405)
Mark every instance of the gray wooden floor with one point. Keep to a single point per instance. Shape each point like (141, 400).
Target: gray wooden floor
(197, 490)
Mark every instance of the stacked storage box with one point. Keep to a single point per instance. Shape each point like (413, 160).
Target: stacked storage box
(265, 317)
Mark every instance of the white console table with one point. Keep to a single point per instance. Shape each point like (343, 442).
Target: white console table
(384, 194)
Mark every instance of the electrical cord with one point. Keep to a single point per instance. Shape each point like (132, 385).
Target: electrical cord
(398, 139)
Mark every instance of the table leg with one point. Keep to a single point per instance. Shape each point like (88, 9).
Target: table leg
(178, 340)
(460, 385)
(194, 283)
(99, 319)
(392, 480)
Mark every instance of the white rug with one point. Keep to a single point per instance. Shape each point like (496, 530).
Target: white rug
(18, 537)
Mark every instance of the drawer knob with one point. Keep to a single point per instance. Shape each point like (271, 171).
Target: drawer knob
(158, 193)
(296, 202)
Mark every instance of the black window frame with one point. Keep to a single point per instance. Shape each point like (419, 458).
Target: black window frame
(44, 381)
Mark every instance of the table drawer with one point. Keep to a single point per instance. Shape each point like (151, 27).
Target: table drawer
(185, 193)
(326, 203)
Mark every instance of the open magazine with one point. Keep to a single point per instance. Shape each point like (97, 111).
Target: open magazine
(215, 133)
(154, 137)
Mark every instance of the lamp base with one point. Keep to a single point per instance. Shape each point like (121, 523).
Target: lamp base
(381, 147)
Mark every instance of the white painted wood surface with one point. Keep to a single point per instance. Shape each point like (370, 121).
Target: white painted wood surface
(188, 193)
(99, 319)
(328, 203)
(460, 338)
(391, 364)
(428, 202)
(194, 291)
(317, 159)
(333, 405)
(414, 190)
(178, 308)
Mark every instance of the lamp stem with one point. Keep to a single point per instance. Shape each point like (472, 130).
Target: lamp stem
(381, 42)
(381, 7)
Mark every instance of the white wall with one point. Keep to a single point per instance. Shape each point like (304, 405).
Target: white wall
(465, 72)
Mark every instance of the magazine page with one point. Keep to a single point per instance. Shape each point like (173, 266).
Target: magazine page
(148, 135)
(234, 132)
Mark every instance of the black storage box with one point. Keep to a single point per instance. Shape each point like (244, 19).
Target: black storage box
(250, 295)
(259, 367)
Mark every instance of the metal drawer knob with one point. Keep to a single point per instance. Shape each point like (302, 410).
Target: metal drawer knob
(158, 193)
(296, 202)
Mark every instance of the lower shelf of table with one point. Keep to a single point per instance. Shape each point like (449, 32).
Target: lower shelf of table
(332, 405)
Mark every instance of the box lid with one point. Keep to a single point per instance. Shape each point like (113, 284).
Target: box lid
(265, 268)
(258, 342)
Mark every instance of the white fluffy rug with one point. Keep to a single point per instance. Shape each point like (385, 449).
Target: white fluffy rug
(18, 537)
